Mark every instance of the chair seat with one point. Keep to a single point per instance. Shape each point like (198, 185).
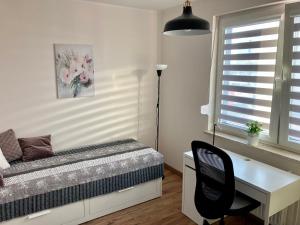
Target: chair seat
(242, 204)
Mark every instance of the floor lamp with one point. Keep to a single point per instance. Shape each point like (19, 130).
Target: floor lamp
(159, 69)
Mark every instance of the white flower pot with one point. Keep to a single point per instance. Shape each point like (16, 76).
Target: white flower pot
(253, 139)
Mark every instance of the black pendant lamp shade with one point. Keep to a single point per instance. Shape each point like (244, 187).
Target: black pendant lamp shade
(187, 24)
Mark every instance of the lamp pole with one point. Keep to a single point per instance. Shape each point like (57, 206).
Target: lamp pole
(157, 108)
(159, 69)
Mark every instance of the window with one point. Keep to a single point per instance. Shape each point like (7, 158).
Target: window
(290, 125)
(258, 72)
(294, 109)
(249, 60)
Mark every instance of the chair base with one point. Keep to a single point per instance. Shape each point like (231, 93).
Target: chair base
(205, 222)
(222, 222)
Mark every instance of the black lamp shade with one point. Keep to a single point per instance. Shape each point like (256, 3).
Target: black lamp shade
(187, 25)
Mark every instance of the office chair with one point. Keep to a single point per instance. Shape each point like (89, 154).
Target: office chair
(215, 194)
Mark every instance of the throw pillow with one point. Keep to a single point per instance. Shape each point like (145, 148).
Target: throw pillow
(36, 148)
(3, 162)
(10, 145)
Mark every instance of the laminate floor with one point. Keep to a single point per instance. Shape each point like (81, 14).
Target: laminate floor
(162, 211)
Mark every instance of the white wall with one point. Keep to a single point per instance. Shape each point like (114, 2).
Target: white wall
(185, 87)
(125, 47)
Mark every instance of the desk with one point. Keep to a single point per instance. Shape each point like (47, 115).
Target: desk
(276, 189)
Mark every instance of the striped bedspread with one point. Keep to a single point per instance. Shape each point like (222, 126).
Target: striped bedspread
(76, 174)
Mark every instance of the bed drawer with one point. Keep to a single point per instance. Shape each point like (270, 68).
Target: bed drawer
(125, 198)
(61, 215)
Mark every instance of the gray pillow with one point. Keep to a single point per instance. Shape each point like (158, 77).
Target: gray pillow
(10, 146)
(35, 148)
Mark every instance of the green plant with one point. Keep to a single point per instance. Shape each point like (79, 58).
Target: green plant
(254, 128)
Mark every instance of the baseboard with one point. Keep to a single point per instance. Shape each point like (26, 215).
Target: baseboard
(173, 170)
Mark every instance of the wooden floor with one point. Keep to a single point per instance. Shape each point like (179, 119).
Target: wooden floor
(163, 211)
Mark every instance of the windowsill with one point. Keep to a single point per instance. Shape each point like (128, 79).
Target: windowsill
(261, 146)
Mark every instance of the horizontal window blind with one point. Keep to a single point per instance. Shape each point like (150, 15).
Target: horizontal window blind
(249, 61)
(294, 113)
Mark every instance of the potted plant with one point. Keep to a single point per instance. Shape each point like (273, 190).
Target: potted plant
(254, 129)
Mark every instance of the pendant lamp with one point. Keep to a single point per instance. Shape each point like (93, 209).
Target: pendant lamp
(187, 24)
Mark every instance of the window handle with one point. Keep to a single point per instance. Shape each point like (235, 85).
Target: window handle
(278, 83)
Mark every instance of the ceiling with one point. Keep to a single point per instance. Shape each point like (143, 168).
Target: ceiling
(143, 4)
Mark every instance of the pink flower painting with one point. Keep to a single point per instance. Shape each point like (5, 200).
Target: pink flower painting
(74, 70)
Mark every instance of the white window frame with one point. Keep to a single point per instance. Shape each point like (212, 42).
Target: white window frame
(244, 18)
(282, 81)
(291, 10)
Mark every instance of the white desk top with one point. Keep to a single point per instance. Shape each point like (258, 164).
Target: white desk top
(259, 175)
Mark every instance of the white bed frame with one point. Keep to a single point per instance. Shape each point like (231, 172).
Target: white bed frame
(89, 209)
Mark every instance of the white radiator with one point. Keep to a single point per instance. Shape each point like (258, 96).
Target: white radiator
(289, 216)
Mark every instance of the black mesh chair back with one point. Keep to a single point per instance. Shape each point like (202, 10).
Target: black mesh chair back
(215, 187)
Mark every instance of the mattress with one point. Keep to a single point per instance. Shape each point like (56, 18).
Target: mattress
(76, 174)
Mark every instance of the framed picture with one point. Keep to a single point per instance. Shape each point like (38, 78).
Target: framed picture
(74, 70)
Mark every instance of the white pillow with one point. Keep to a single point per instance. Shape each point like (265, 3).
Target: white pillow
(3, 162)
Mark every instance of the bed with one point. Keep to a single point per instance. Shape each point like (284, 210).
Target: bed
(80, 184)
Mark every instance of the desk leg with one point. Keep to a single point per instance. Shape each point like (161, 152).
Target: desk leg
(267, 212)
(266, 221)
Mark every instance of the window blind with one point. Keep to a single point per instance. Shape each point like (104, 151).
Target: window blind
(294, 109)
(249, 61)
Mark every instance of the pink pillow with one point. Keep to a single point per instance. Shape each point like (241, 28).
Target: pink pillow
(36, 148)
